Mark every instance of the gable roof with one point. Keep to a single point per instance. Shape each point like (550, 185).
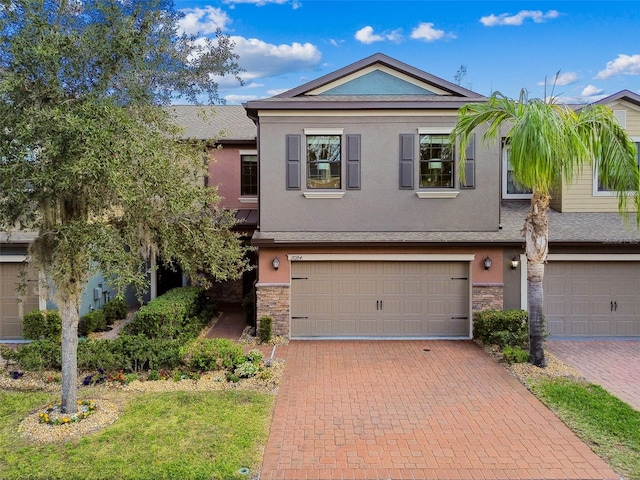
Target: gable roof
(223, 123)
(376, 82)
(621, 95)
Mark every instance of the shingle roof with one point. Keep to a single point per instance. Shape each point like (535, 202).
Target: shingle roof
(220, 122)
(593, 228)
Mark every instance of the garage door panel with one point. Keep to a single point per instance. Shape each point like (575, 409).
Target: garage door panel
(12, 305)
(592, 298)
(386, 299)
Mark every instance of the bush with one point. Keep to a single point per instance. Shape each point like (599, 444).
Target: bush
(246, 370)
(42, 324)
(115, 309)
(265, 329)
(249, 307)
(181, 312)
(94, 321)
(502, 328)
(206, 354)
(515, 354)
(37, 355)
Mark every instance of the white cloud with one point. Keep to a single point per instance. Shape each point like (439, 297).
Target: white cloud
(277, 91)
(260, 59)
(335, 43)
(239, 99)
(518, 19)
(591, 90)
(366, 35)
(260, 3)
(426, 32)
(623, 65)
(202, 21)
(561, 79)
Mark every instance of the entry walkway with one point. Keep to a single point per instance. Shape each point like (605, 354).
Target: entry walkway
(614, 364)
(414, 410)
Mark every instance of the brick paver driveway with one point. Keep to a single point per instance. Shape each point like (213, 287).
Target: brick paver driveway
(414, 410)
(614, 364)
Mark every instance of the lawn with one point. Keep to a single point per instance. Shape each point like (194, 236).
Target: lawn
(171, 435)
(608, 425)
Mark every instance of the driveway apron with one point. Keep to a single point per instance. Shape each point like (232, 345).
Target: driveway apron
(414, 410)
(614, 364)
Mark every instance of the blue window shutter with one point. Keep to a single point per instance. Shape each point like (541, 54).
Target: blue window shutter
(353, 162)
(407, 142)
(293, 162)
(470, 164)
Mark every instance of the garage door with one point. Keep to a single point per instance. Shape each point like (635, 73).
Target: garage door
(379, 299)
(592, 298)
(11, 309)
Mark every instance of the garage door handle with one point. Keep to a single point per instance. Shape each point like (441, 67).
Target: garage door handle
(459, 318)
(298, 318)
(299, 278)
(459, 278)
(615, 306)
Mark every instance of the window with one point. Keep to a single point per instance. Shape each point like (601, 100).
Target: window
(324, 166)
(599, 188)
(249, 175)
(510, 188)
(436, 161)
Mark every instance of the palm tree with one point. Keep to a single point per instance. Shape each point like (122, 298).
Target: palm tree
(551, 142)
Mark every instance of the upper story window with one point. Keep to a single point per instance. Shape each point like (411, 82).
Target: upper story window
(324, 165)
(249, 175)
(436, 161)
(510, 188)
(599, 189)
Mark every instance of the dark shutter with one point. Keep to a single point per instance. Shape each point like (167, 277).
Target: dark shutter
(353, 162)
(293, 162)
(407, 142)
(470, 164)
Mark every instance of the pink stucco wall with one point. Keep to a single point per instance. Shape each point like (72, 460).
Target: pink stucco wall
(224, 172)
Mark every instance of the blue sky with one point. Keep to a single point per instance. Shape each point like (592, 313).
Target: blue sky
(504, 46)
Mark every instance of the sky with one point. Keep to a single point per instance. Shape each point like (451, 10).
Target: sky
(589, 49)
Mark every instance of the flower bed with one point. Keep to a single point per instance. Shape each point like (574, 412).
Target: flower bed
(53, 415)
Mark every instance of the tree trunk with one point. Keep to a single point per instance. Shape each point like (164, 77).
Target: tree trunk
(70, 313)
(536, 232)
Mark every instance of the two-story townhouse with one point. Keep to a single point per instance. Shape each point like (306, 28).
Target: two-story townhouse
(232, 159)
(366, 230)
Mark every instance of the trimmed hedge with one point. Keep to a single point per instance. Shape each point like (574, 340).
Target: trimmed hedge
(37, 355)
(181, 312)
(502, 328)
(206, 354)
(115, 309)
(94, 321)
(41, 324)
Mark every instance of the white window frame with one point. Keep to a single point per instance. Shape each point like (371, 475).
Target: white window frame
(608, 193)
(503, 180)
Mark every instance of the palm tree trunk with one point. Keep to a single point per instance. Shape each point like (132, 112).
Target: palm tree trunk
(70, 312)
(536, 232)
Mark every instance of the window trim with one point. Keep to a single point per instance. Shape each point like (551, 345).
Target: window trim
(610, 193)
(503, 179)
(440, 131)
(248, 197)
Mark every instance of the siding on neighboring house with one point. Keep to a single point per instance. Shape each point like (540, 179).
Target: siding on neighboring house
(579, 196)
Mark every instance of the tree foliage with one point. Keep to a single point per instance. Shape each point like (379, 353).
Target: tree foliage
(550, 143)
(89, 155)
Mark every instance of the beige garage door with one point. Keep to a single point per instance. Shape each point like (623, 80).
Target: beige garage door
(11, 309)
(379, 299)
(592, 298)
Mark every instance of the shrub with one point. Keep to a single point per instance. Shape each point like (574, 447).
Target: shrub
(502, 328)
(515, 354)
(37, 355)
(246, 370)
(99, 355)
(265, 329)
(41, 324)
(206, 354)
(181, 312)
(115, 309)
(249, 307)
(254, 356)
(94, 321)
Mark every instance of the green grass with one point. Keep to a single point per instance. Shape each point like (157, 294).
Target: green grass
(177, 435)
(608, 425)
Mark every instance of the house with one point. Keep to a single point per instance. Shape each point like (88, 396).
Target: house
(365, 229)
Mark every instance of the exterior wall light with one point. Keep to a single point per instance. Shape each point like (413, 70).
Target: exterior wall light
(515, 262)
(487, 263)
(276, 263)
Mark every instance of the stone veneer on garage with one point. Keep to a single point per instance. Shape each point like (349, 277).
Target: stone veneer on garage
(273, 300)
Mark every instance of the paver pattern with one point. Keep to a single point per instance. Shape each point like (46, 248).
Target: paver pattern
(614, 364)
(414, 410)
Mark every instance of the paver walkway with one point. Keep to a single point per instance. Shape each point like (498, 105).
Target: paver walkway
(414, 410)
(614, 364)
